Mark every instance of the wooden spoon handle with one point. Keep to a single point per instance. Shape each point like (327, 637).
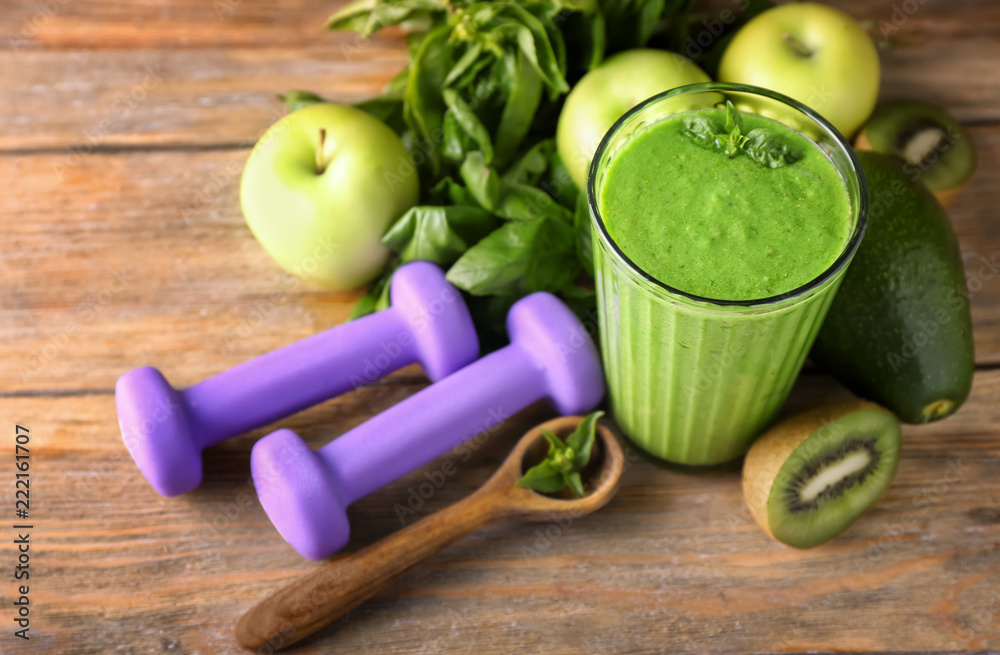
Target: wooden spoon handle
(339, 585)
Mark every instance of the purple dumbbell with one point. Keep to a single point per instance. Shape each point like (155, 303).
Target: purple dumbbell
(305, 492)
(166, 429)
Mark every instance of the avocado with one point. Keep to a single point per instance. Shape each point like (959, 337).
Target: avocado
(899, 331)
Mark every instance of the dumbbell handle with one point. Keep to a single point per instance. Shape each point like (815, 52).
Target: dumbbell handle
(433, 421)
(298, 376)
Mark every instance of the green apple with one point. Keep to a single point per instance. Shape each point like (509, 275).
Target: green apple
(812, 53)
(605, 93)
(320, 189)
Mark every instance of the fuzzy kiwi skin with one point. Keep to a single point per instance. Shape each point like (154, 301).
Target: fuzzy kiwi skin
(772, 450)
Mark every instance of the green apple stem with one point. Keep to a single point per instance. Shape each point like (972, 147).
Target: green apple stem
(322, 161)
(797, 46)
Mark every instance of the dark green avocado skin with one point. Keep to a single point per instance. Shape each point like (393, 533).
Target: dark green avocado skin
(899, 331)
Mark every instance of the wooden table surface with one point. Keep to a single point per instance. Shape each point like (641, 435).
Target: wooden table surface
(124, 131)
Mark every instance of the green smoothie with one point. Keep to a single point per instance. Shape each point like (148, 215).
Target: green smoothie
(695, 380)
(720, 227)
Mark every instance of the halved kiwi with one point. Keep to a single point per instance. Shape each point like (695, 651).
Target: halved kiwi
(933, 145)
(810, 477)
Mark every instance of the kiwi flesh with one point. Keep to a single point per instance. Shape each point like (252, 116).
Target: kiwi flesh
(932, 144)
(810, 477)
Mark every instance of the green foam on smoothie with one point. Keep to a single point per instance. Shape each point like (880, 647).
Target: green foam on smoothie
(720, 227)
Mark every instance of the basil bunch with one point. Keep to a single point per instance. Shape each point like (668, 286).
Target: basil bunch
(477, 108)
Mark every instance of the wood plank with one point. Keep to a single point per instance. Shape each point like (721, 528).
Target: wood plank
(86, 101)
(138, 254)
(673, 564)
(85, 80)
(112, 272)
(94, 24)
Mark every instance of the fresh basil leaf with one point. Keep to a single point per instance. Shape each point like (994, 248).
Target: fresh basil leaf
(532, 164)
(353, 16)
(769, 149)
(573, 481)
(546, 10)
(674, 7)
(542, 478)
(464, 63)
(734, 120)
(483, 13)
(377, 297)
(384, 299)
(734, 139)
(519, 110)
(702, 130)
(456, 144)
(423, 107)
(518, 258)
(469, 122)
(296, 100)
(558, 183)
(552, 262)
(490, 88)
(582, 439)
(386, 109)
(481, 180)
(397, 85)
(649, 16)
(630, 23)
(734, 142)
(598, 41)
(368, 17)
(521, 202)
(584, 234)
(533, 40)
(498, 264)
(544, 63)
(468, 79)
(558, 44)
(365, 304)
(583, 32)
(413, 42)
(438, 234)
(489, 314)
(557, 471)
(387, 14)
(449, 192)
(555, 443)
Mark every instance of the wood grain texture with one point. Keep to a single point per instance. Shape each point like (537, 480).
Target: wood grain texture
(674, 563)
(123, 130)
(332, 589)
(218, 78)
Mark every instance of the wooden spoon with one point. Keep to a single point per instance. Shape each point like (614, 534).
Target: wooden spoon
(345, 582)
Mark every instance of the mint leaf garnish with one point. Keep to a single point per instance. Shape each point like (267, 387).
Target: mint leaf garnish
(702, 130)
(734, 120)
(770, 149)
(733, 138)
(560, 468)
(766, 147)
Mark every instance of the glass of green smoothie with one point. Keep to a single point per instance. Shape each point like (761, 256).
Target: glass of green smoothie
(724, 218)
